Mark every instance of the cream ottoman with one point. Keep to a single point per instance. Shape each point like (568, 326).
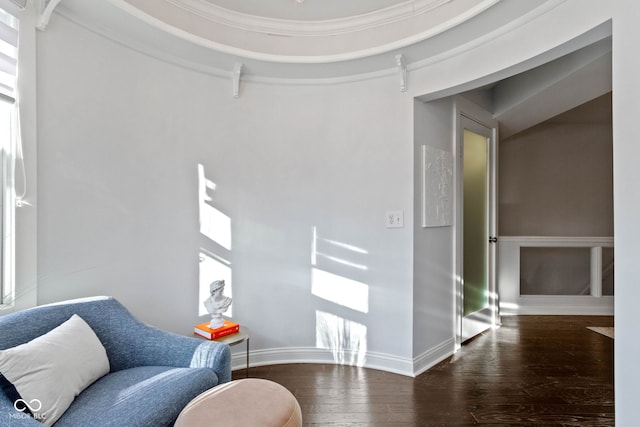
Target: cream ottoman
(242, 403)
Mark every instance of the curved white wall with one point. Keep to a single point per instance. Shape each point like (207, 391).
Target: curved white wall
(121, 135)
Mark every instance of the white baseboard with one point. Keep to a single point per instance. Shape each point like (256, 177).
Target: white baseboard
(372, 360)
(581, 305)
(433, 356)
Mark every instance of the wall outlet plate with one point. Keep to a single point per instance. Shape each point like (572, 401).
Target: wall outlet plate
(394, 219)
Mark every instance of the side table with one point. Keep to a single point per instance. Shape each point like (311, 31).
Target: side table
(244, 334)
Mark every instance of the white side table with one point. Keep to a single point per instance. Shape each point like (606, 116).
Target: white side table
(244, 334)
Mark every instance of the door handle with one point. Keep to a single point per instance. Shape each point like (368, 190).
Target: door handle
(493, 239)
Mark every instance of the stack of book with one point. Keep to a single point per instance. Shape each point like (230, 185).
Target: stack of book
(205, 331)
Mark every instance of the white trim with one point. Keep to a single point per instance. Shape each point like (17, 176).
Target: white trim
(316, 28)
(509, 278)
(219, 70)
(560, 241)
(12, 7)
(433, 356)
(378, 49)
(596, 271)
(143, 49)
(26, 221)
(45, 9)
(170, 58)
(481, 121)
(488, 37)
(276, 356)
(580, 305)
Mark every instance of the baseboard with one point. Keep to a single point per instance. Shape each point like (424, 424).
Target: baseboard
(580, 305)
(433, 356)
(279, 356)
(372, 360)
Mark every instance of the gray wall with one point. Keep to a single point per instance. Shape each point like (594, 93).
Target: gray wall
(556, 178)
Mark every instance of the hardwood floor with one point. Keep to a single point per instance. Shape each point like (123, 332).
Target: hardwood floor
(534, 370)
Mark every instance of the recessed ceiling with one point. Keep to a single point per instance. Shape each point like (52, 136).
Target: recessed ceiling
(308, 39)
(333, 40)
(306, 10)
(266, 33)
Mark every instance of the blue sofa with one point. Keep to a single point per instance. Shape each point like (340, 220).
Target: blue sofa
(153, 373)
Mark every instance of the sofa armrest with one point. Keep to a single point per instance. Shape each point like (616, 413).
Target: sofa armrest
(150, 346)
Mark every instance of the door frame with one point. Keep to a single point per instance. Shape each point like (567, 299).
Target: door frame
(467, 112)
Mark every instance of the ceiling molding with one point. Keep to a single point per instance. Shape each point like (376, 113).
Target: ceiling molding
(294, 42)
(130, 27)
(218, 71)
(310, 28)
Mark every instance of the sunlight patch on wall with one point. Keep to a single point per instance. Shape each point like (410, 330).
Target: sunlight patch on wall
(340, 290)
(342, 261)
(213, 223)
(346, 339)
(215, 250)
(330, 254)
(333, 250)
(334, 265)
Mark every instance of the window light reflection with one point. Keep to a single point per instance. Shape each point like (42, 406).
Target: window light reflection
(346, 339)
(213, 223)
(340, 290)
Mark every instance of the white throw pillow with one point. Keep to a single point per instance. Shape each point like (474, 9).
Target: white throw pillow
(48, 372)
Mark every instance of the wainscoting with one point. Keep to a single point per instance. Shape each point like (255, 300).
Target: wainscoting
(555, 295)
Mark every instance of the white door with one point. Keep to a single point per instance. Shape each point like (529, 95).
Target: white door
(476, 225)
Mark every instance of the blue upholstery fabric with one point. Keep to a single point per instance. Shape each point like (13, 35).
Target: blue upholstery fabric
(129, 344)
(137, 397)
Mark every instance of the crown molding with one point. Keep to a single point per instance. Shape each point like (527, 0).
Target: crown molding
(309, 28)
(268, 45)
(176, 47)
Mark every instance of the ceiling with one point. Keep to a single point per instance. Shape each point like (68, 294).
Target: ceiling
(334, 40)
(307, 10)
(526, 99)
(346, 37)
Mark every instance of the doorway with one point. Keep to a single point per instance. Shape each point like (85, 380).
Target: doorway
(477, 298)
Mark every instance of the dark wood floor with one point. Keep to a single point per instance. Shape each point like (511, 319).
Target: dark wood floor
(534, 370)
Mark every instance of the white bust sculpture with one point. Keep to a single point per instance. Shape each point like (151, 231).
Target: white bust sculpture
(217, 303)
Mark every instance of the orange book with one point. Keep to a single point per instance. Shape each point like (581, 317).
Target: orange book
(205, 331)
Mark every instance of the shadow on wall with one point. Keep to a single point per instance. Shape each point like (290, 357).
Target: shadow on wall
(345, 338)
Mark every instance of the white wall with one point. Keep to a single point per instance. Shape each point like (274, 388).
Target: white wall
(626, 175)
(121, 137)
(433, 263)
